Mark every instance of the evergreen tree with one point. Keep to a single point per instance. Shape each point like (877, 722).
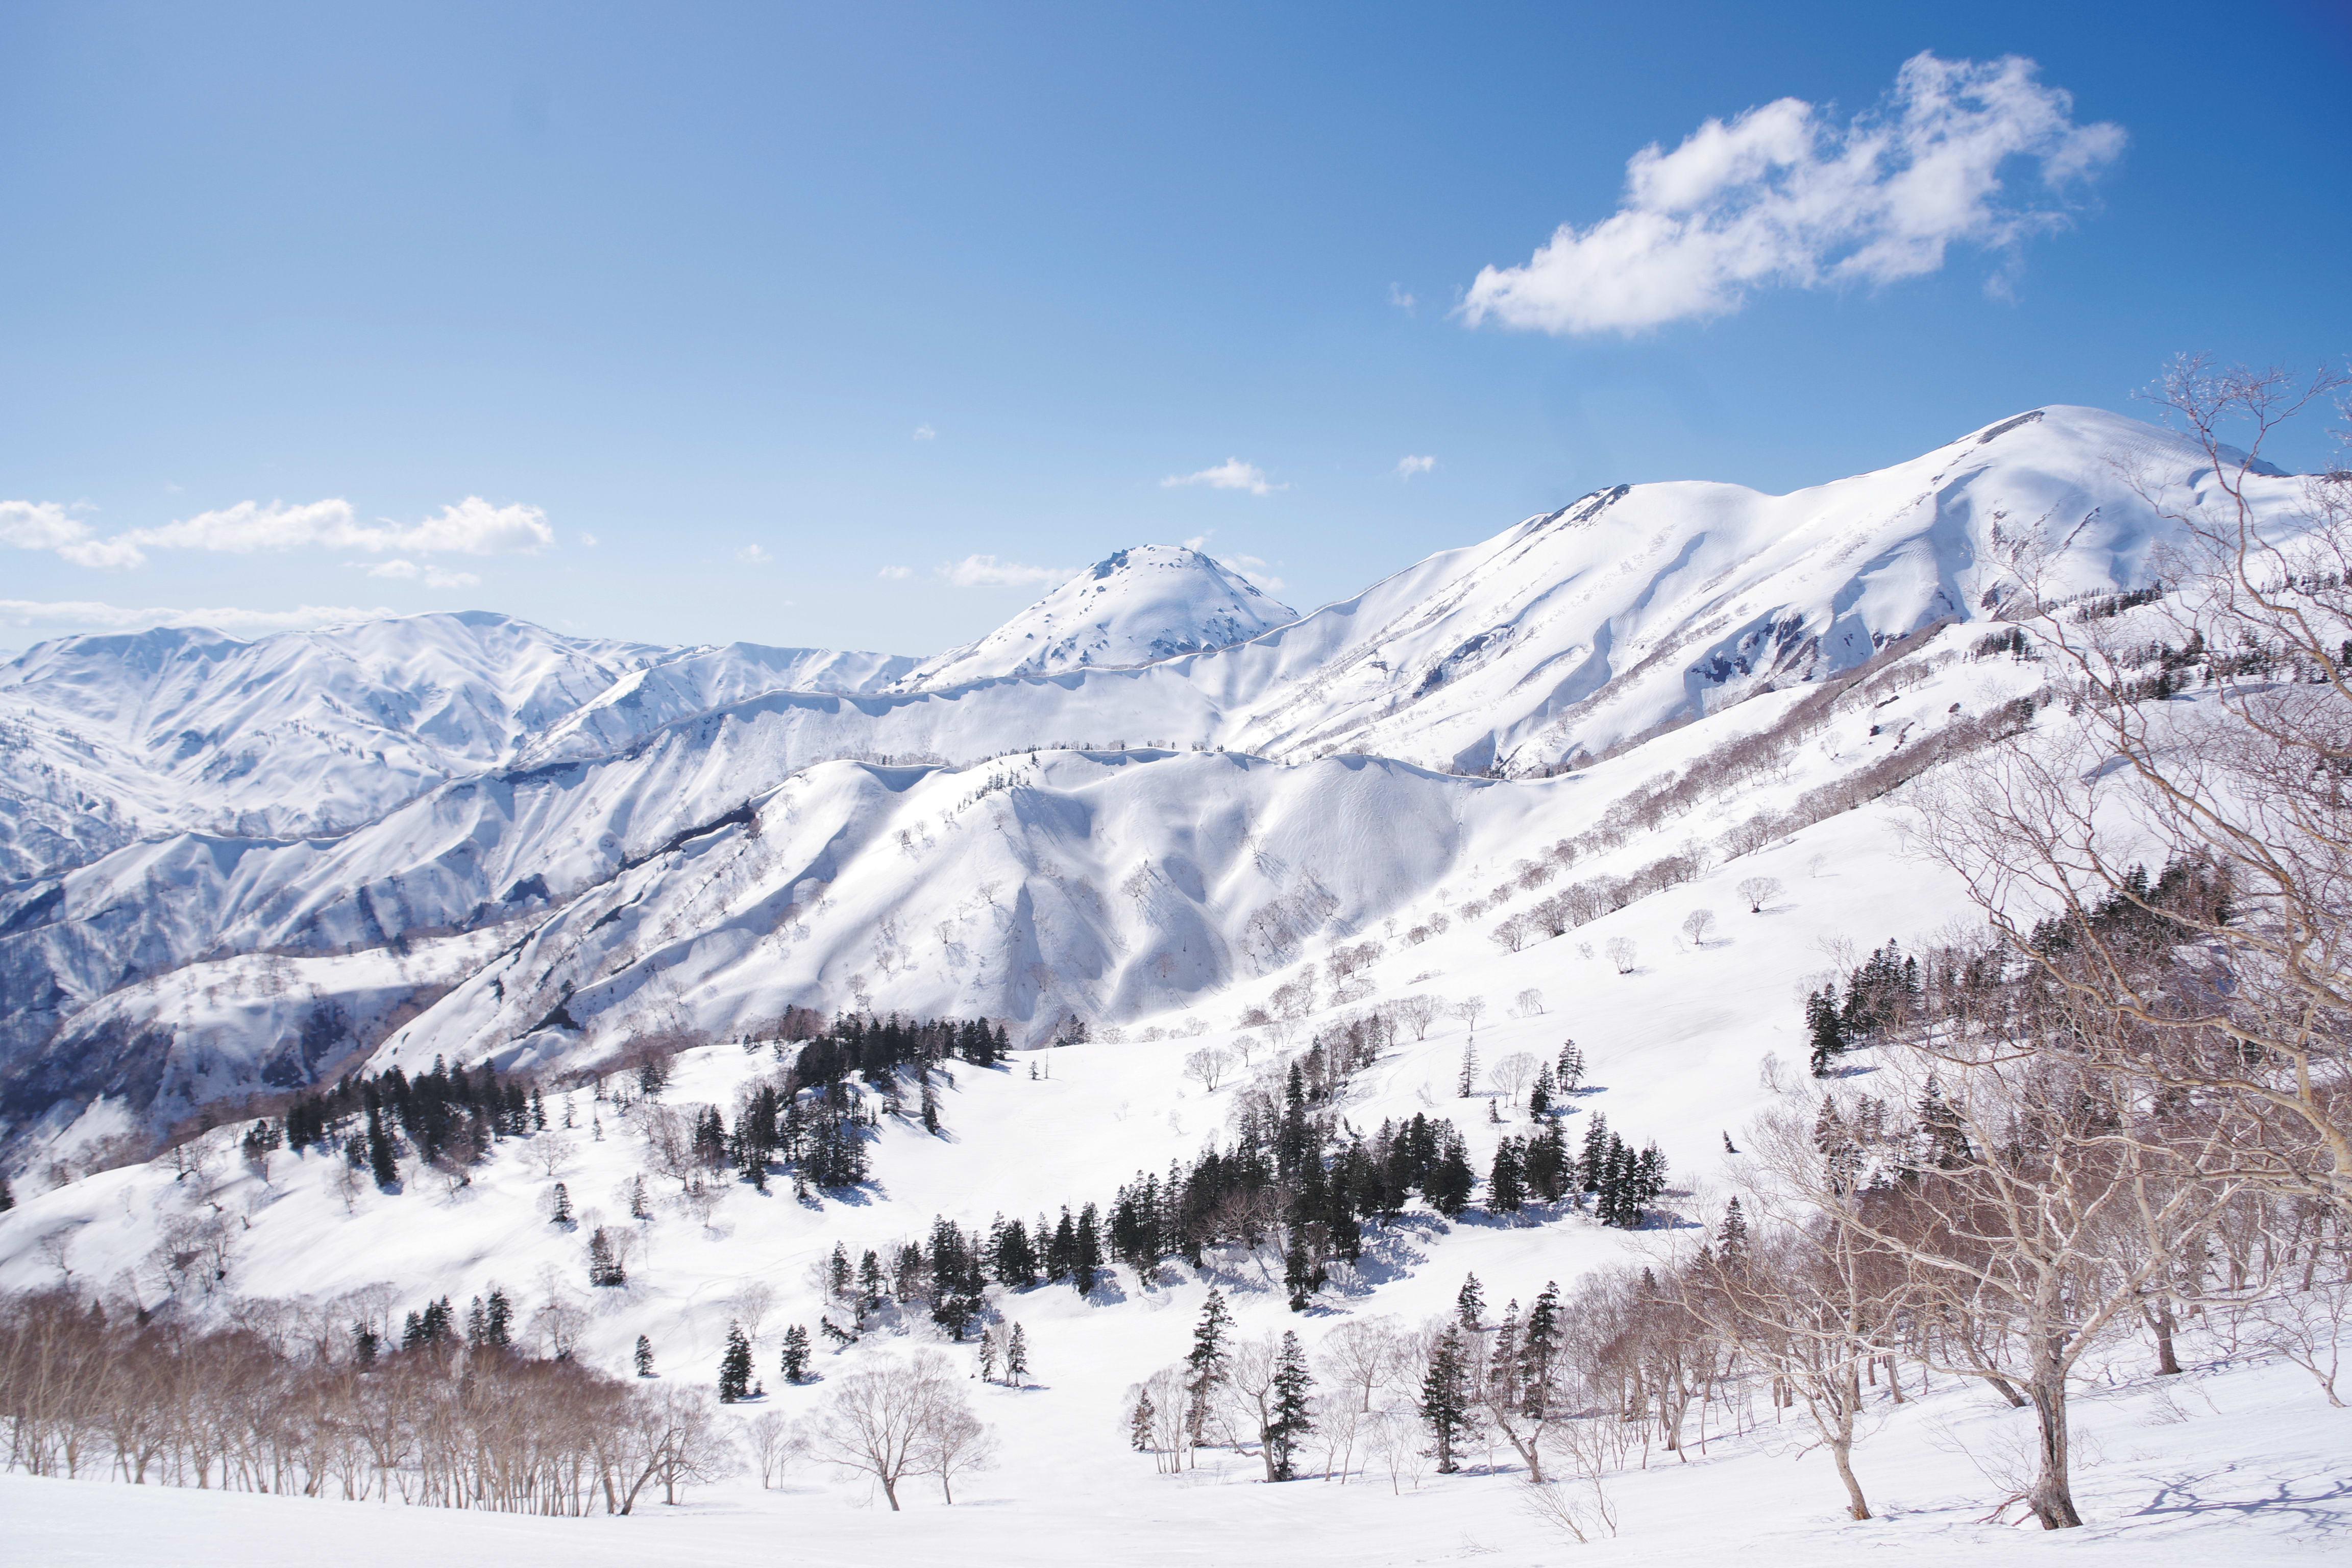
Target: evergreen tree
(364, 1345)
(1292, 1418)
(838, 1280)
(1301, 1272)
(1445, 1398)
(1824, 1030)
(1450, 1182)
(644, 1359)
(380, 1160)
(796, 1354)
(1086, 1251)
(735, 1367)
(1011, 1257)
(1731, 1235)
(1539, 1093)
(1589, 1165)
(1538, 1350)
(538, 1110)
(7, 1198)
(1469, 1070)
(1572, 1068)
(869, 1285)
(604, 1266)
(988, 1357)
(1017, 1357)
(1205, 1361)
(1507, 1190)
(1470, 1303)
(561, 1214)
(638, 1207)
(1138, 1423)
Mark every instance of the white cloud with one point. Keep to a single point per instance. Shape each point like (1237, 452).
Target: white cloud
(1400, 299)
(988, 572)
(896, 574)
(1783, 195)
(432, 576)
(86, 613)
(1254, 570)
(588, 540)
(1233, 474)
(46, 525)
(752, 555)
(1408, 467)
(471, 527)
(1200, 540)
(925, 432)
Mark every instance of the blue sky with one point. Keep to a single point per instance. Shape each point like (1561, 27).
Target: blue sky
(846, 326)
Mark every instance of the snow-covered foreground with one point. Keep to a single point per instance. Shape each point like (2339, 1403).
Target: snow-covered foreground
(2230, 1464)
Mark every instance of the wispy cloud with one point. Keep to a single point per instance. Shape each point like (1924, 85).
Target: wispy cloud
(470, 527)
(1400, 299)
(752, 555)
(925, 432)
(1785, 197)
(1255, 570)
(988, 572)
(1233, 474)
(432, 576)
(84, 613)
(1408, 467)
(895, 574)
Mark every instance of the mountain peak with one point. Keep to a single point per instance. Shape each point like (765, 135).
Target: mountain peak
(1136, 605)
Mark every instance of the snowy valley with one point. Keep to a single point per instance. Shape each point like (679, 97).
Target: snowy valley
(1300, 967)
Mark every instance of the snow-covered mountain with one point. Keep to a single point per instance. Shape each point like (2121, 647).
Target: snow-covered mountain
(703, 834)
(1135, 607)
(104, 740)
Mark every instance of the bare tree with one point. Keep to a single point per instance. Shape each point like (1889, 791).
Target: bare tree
(1418, 1013)
(1757, 891)
(954, 1442)
(775, 1445)
(750, 1306)
(552, 1152)
(1470, 1009)
(1620, 953)
(1514, 1073)
(1207, 1066)
(886, 1421)
(2240, 789)
(1697, 924)
(1527, 1004)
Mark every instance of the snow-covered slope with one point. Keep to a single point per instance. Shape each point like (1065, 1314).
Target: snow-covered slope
(107, 739)
(1136, 607)
(615, 824)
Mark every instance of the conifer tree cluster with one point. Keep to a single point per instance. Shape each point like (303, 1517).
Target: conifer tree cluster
(1625, 1183)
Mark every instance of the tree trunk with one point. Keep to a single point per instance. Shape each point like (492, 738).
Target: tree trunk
(2160, 1323)
(1842, 1443)
(890, 1491)
(2052, 1498)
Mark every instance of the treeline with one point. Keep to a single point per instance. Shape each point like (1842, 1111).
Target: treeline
(263, 1406)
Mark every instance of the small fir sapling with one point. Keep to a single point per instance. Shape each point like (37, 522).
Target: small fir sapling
(644, 1358)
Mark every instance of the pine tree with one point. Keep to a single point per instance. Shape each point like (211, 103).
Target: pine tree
(644, 1359)
(561, 1214)
(838, 1280)
(1538, 1348)
(796, 1354)
(1016, 1358)
(1293, 1417)
(1205, 1361)
(1539, 1093)
(638, 1207)
(604, 1266)
(1469, 1070)
(1506, 1191)
(735, 1367)
(498, 1320)
(7, 1198)
(1445, 1398)
(1731, 1235)
(1138, 1423)
(1301, 1273)
(538, 1110)
(869, 1285)
(1572, 1068)
(384, 1165)
(1589, 1164)
(1470, 1303)
(1824, 1030)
